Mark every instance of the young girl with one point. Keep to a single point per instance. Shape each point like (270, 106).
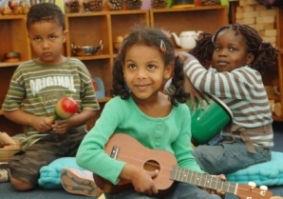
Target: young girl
(142, 111)
(239, 55)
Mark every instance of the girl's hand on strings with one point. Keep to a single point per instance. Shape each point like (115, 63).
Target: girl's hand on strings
(217, 192)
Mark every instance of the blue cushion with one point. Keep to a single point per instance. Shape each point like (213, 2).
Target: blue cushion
(268, 173)
(50, 174)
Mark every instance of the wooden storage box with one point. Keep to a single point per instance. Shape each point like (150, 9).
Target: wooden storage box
(7, 152)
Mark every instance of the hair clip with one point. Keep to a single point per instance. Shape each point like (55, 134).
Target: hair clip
(162, 46)
(212, 38)
(176, 55)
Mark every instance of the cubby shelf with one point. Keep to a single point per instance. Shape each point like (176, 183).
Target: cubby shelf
(90, 27)
(270, 75)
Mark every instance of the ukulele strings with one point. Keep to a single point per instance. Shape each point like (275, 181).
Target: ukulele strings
(213, 179)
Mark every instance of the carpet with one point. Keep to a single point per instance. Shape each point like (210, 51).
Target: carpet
(7, 192)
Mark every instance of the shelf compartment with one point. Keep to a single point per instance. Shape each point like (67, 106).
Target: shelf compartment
(87, 30)
(178, 20)
(14, 37)
(101, 68)
(7, 73)
(122, 23)
(273, 97)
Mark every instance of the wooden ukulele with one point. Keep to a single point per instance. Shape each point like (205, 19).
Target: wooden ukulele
(127, 149)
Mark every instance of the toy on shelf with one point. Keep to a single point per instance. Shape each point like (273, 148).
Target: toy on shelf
(210, 2)
(115, 4)
(117, 44)
(86, 50)
(98, 87)
(187, 39)
(93, 5)
(12, 57)
(15, 7)
(275, 86)
(133, 4)
(158, 4)
(73, 6)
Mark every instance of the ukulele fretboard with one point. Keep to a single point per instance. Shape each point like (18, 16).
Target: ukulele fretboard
(203, 180)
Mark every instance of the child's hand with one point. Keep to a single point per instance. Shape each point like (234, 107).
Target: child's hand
(217, 192)
(195, 94)
(143, 182)
(42, 124)
(61, 126)
(186, 57)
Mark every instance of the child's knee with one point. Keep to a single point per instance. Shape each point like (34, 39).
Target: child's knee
(20, 185)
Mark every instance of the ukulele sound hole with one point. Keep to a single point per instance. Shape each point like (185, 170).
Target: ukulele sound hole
(151, 165)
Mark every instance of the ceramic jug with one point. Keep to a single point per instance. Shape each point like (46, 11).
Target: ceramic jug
(187, 39)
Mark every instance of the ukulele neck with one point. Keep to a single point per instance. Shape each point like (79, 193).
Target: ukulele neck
(204, 180)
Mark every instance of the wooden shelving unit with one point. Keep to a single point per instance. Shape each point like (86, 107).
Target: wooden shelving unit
(89, 28)
(277, 72)
(279, 21)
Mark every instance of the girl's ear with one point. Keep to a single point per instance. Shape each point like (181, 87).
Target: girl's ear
(250, 58)
(168, 72)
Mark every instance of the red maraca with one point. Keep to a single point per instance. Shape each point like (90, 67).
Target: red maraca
(65, 108)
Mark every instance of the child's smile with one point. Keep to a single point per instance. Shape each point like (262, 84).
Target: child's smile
(142, 87)
(144, 74)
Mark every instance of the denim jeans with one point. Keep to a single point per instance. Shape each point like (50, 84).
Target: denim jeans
(180, 191)
(224, 158)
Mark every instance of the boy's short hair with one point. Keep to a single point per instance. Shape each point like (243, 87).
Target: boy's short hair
(45, 12)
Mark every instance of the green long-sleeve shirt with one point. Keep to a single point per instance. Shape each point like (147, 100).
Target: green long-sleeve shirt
(171, 133)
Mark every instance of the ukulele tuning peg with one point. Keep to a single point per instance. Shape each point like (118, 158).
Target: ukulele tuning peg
(264, 188)
(252, 185)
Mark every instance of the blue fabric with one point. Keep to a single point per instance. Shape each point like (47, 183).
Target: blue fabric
(228, 157)
(181, 191)
(50, 174)
(268, 173)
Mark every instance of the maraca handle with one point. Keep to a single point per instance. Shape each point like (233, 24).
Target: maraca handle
(52, 119)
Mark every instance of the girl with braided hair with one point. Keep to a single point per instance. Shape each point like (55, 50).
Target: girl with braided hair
(141, 110)
(239, 56)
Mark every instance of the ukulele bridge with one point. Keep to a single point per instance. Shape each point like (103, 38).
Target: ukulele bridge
(114, 152)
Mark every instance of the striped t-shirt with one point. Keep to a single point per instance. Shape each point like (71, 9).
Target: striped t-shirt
(37, 87)
(242, 90)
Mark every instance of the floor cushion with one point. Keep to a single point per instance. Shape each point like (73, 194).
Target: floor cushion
(268, 173)
(50, 174)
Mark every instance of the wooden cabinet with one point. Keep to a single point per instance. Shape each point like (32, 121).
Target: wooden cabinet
(276, 73)
(13, 36)
(279, 99)
(89, 28)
